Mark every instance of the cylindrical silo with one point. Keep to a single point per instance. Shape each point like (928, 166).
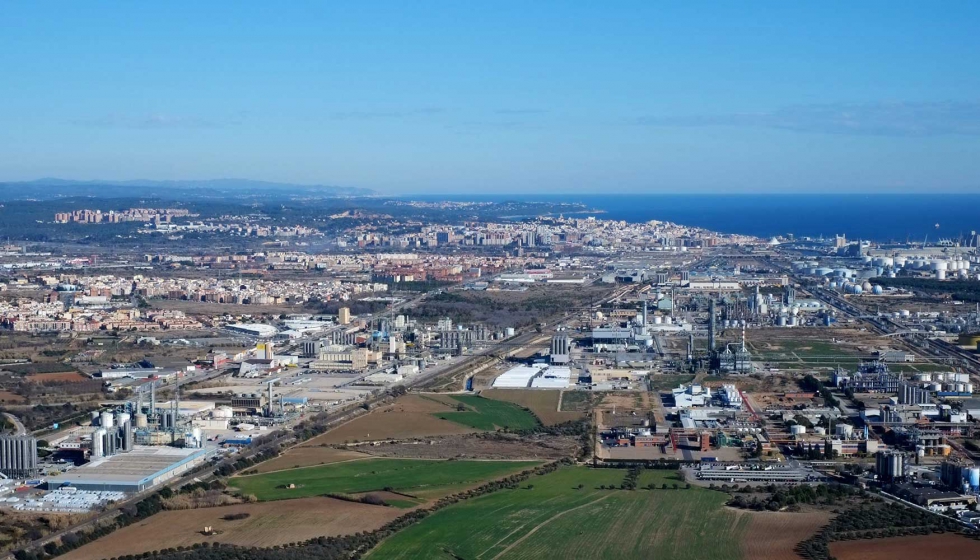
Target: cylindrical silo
(106, 421)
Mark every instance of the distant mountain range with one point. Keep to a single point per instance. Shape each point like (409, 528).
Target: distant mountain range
(56, 188)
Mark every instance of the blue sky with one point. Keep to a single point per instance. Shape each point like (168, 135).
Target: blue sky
(485, 97)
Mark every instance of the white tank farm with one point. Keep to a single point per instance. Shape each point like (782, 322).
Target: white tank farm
(222, 412)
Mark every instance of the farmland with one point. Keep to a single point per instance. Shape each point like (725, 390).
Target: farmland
(410, 416)
(774, 535)
(487, 414)
(544, 404)
(308, 457)
(268, 524)
(565, 514)
(417, 477)
(907, 548)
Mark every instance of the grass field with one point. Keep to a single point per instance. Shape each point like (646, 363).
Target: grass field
(543, 403)
(557, 519)
(309, 457)
(421, 478)
(487, 414)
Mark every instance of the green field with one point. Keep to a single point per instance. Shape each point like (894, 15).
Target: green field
(487, 414)
(415, 477)
(557, 519)
(665, 382)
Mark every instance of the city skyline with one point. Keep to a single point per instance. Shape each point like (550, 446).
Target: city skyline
(444, 98)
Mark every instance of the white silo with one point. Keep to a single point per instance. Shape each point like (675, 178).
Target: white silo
(141, 420)
(122, 418)
(844, 430)
(968, 388)
(941, 274)
(106, 421)
(98, 438)
(797, 429)
(820, 430)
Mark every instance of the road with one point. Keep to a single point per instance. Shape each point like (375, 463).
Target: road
(19, 428)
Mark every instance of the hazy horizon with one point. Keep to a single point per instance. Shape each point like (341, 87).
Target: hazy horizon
(442, 98)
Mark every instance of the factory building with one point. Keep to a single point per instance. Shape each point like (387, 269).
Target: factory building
(18, 456)
(136, 471)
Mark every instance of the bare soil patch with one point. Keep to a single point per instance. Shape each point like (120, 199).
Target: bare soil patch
(62, 377)
(409, 416)
(8, 397)
(269, 524)
(308, 457)
(946, 545)
(774, 535)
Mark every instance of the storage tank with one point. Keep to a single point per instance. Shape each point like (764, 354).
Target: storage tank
(962, 377)
(141, 421)
(936, 387)
(969, 388)
(923, 377)
(941, 274)
(106, 421)
(122, 418)
(797, 429)
(820, 431)
(877, 290)
(844, 430)
(974, 477)
(222, 412)
(95, 417)
(509, 331)
(960, 387)
(658, 320)
(98, 437)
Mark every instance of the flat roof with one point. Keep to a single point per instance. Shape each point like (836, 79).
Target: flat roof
(143, 462)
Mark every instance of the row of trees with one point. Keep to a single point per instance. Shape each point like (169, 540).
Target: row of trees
(782, 497)
(875, 520)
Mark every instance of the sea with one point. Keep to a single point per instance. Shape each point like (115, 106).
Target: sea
(878, 217)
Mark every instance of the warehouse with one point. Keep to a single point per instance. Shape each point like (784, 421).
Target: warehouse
(142, 468)
(535, 376)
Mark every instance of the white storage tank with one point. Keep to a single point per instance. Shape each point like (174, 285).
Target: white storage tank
(223, 411)
(97, 439)
(797, 429)
(969, 388)
(820, 431)
(923, 377)
(106, 421)
(961, 377)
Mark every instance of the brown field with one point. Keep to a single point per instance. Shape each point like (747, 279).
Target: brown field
(270, 524)
(308, 457)
(409, 416)
(543, 403)
(8, 397)
(58, 377)
(946, 545)
(773, 535)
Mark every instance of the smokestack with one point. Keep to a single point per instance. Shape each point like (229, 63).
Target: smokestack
(644, 314)
(711, 326)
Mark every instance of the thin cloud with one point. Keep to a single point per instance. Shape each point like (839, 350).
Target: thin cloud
(374, 115)
(521, 111)
(871, 119)
(156, 121)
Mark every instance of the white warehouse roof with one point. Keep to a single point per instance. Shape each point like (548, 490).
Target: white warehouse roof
(536, 376)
